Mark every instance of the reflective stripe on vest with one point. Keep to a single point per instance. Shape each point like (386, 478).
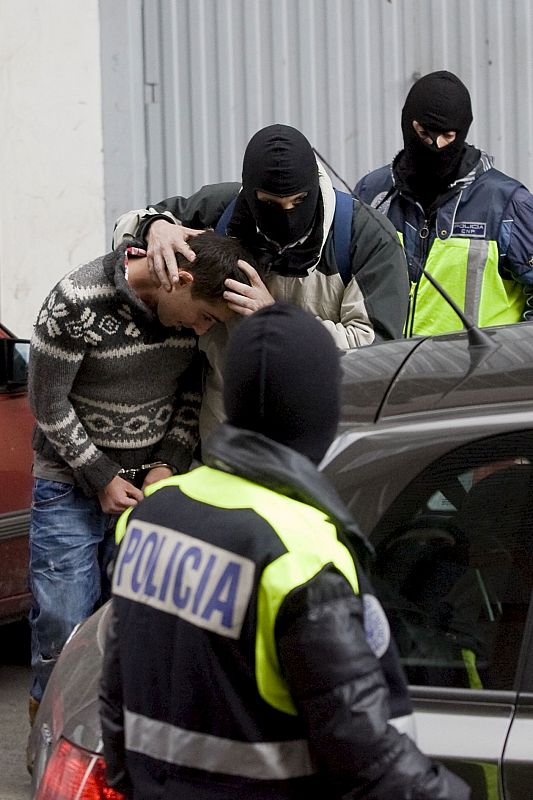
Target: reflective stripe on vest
(259, 760)
(470, 662)
(311, 542)
(468, 270)
(490, 771)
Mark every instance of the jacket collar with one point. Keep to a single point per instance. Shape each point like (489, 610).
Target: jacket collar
(328, 201)
(274, 466)
(474, 163)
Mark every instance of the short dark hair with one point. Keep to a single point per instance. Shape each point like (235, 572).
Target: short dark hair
(216, 260)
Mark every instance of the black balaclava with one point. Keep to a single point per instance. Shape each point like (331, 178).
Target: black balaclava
(282, 379)
(279, 160)
(439, 102)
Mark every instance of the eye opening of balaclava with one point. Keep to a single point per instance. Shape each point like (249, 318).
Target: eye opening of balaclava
(282, 379)
(280, 161)
(440, 102)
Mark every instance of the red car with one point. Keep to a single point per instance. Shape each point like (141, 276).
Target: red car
(16, 424)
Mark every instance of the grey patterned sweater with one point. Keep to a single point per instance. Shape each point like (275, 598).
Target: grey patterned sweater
(109, 386)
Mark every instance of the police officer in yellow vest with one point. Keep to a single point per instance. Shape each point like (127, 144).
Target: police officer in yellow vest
(465, 222)
(247, 656)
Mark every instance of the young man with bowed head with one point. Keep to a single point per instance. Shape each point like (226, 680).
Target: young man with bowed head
(114, 385)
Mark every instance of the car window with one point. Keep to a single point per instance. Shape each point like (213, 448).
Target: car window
(453, 565)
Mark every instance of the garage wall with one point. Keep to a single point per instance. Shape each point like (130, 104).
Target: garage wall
(51, 167)
(217, 70)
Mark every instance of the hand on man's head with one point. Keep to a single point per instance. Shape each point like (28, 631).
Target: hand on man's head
(244, 299)
(164, 240)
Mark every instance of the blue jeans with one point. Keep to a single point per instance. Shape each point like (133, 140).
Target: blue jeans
(66, 531)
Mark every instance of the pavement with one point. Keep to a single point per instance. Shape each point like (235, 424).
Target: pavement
(14, 725)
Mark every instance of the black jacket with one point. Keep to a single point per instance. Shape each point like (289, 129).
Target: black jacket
(344, 695)
(372, 307)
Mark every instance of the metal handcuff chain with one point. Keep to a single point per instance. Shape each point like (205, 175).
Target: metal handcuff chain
(130, 473)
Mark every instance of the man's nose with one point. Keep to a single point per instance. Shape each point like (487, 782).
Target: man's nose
(441, 141)
(287, 205)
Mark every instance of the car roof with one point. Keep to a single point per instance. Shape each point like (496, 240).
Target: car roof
(435, 373)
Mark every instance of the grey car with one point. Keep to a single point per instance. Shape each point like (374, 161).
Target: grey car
(435, 459)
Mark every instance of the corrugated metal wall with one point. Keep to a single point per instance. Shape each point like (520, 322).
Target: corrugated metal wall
(217, 70)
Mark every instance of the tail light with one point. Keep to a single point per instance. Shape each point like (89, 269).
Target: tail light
(75, 774)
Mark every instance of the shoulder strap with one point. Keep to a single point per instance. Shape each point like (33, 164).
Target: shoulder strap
(223, 222)
(342, 234)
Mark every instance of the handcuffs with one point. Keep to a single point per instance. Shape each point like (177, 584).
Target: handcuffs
(129, 474)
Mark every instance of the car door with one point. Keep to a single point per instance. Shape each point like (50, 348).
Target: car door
(454, 569)
(16, 424)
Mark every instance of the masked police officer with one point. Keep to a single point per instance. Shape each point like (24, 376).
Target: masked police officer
(238, 662)
(469, 225)
(316, 248)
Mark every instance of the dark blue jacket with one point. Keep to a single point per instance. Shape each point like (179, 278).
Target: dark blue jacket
(485, 206)
(225, 696)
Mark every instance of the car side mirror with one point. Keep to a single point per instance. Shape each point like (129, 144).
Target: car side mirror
(14, 355)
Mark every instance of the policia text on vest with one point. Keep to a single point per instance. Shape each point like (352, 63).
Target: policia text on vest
(203, 584)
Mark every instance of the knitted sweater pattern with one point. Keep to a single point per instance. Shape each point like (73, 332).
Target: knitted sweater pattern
(109, 386)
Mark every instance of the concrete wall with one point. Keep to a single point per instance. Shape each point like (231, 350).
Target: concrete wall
(51, 164)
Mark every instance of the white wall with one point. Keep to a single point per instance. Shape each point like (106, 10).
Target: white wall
(51, 165)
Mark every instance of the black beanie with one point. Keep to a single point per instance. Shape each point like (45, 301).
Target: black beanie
(279, 160)
(282, 379)
(439, 102)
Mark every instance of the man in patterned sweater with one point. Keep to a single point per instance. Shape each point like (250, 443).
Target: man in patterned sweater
(114, 385)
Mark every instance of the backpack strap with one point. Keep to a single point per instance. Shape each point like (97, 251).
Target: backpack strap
(223, 222)
(342, 234)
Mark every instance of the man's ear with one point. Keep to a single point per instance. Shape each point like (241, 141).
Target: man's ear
(186, 278)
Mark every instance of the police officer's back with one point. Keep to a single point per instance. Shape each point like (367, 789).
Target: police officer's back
(237, 664)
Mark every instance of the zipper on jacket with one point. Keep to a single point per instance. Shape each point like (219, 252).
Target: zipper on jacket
(423, 235)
